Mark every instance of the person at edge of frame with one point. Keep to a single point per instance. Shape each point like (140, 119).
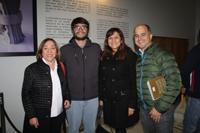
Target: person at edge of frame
(190, 73)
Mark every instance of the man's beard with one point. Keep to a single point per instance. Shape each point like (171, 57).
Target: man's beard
(81, 38)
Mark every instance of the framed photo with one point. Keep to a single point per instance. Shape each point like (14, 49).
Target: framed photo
(18, 27)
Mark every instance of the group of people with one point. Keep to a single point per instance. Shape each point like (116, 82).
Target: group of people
(71, 83)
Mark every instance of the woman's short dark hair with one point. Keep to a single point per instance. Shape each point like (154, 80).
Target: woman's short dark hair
(41, 46)
(79, 20)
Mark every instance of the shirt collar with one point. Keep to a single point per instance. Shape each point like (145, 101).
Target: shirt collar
(56, 64)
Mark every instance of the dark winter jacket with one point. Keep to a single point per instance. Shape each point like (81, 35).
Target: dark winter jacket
(37, 90)
(82, 69)
(152, 63)
(190, 72)
(118, 90)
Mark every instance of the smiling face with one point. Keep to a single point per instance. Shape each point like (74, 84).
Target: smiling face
(80, 31)
(142, 37)
(49, 51)
(114, 41)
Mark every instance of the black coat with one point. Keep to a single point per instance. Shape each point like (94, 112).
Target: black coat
(37, 90)
(117, 89)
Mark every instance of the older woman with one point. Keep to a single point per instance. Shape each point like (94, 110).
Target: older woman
(44, 92)
(117, 91)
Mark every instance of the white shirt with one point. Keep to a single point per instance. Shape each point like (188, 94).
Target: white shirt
(57, 100)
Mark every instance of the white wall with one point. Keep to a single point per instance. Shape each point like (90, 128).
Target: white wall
(173, 18)
(11, 70)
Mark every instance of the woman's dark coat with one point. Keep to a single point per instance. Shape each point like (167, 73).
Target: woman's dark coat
(37, 91)
(117, 89)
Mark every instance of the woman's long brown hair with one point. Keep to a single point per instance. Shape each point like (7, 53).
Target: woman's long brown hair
(122, 50)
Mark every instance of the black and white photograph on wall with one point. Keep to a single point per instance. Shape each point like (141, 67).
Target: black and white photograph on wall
(18, 34)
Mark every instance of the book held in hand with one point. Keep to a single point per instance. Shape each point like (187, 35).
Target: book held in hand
(156, 87)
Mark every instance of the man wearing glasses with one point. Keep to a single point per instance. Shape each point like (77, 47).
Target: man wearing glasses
(81, 59)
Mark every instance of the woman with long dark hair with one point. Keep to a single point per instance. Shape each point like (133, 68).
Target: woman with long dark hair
(117, 83)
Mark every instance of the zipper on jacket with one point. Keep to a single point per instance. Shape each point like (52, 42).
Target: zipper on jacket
(83, 59)
(141, 78)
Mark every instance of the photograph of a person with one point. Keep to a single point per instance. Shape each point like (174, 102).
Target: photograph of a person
(17, 27)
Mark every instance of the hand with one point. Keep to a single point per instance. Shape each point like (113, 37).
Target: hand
(101, 103)
(34, 122)
(155, 115)
(66, 104)
(131, 111)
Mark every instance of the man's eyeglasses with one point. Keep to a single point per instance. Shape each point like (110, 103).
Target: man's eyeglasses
(80, 26)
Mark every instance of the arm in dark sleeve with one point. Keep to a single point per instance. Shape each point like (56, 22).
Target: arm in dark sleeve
(188, 67)
(68, 95)
(27, 89)
(171, 73)
(100, 91)
(133, 92)
(65, 87)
